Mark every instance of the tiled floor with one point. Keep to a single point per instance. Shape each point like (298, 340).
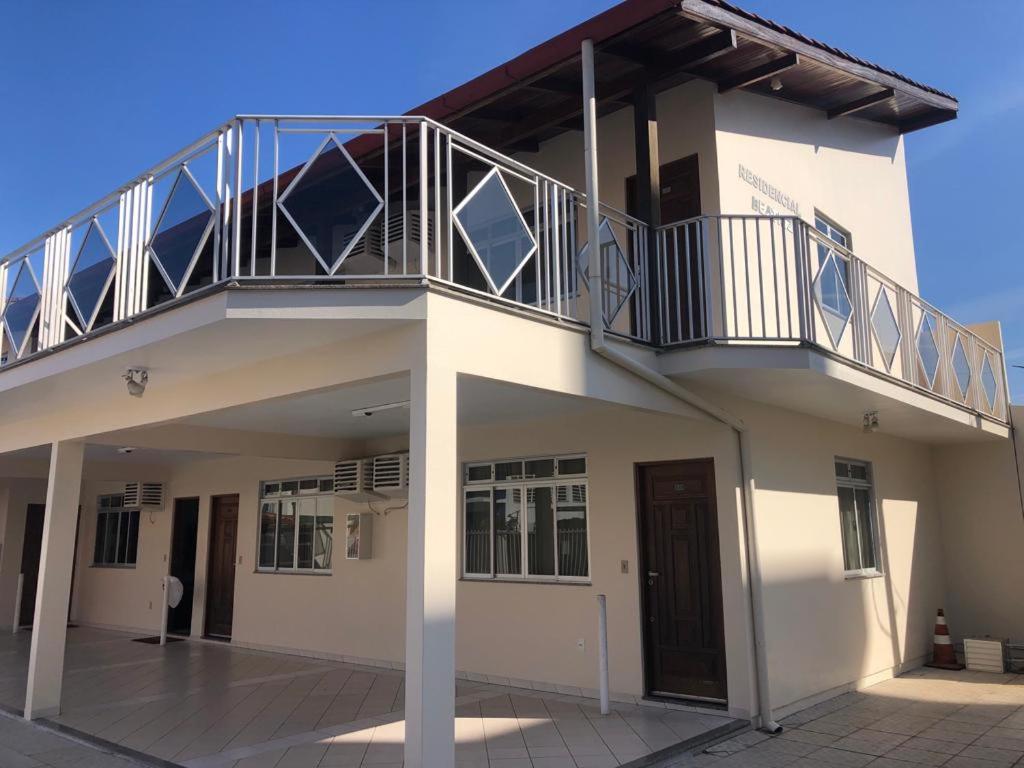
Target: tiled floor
(26, 745)
(924, 718)
(206, 705)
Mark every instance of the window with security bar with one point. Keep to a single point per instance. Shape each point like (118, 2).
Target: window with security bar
(857, 517)
(296, 525)
(526, 519)
(117, 533)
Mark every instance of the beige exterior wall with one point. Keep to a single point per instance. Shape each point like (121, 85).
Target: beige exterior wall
(983, 527)
(825, 632)
(852, 171)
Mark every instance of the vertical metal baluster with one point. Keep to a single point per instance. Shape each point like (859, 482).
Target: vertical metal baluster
(218, 221)
(405, 205)
(760, 276)
(775, 280)
(273, 213)
(689, 277)
(255, 195)
(147, 223)
(236, 246)
(437, 203)
(424, 212)
(556, 234)
(450, 177)
(387, 202)
(785, 280)
(118, 260)
(678, 292)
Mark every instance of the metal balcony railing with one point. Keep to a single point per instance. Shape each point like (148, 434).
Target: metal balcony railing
(358, 200)
(362, 199)
(777, 280)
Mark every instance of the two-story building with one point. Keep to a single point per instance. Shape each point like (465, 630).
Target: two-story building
(391, 333)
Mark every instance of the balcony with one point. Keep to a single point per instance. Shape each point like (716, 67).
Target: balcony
(371, 201)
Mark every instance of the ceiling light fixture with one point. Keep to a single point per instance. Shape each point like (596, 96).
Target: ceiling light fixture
(776, 84)
(126, 449)
(370, 410)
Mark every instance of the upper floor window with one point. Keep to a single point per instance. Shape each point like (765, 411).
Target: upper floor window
(296, 525)
(117, 532)
(857, 517)
(526, 519)
(831, 285)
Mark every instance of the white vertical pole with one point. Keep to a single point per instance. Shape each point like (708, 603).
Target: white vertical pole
(432, 562)
(16, 624)
(163, 609)
(602, 651)
(53, 594)
(593, 200)
(424, 208)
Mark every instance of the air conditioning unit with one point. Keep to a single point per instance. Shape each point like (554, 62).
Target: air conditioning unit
(138, 495)
(350, 476)
(390, 474)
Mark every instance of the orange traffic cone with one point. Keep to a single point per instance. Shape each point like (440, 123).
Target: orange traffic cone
(943, 655)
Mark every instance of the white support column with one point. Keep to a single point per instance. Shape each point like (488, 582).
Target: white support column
(56, 561)
(432, 563)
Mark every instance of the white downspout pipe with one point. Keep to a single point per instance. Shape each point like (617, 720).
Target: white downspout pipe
(598, 345)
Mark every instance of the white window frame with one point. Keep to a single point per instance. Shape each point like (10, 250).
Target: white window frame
(123, 514)
(491, 485)
(869, 486)
(278, 497)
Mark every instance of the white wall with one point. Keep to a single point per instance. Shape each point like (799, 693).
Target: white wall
(825, 632)
(852, 171)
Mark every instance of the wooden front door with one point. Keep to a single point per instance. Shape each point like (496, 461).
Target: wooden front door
(183, 562)
(31, 549)
(220, 582)
(684, 639)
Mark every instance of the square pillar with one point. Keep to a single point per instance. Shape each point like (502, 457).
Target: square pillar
(56, 566)
(432, 566)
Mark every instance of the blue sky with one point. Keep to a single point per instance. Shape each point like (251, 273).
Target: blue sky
(94, 92)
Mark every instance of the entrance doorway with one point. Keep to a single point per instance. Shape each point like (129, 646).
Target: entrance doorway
(220, 591)
(184, 531)
(684, 636)
(31, 550)
(680, 200)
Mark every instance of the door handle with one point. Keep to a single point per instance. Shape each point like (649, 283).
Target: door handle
(653, 574)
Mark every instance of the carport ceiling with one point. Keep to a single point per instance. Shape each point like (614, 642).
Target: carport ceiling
(329, 413)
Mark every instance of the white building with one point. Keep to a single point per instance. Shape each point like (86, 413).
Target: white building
(753, 454)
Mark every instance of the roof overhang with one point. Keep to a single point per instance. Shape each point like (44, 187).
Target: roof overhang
(661, 43)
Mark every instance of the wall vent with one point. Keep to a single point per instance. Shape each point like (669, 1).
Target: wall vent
(985, 654)
(391, 474)
(350, 476)
(138, 495)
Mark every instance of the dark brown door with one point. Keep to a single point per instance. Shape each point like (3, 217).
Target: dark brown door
(220, 583)
(31, 548)
(680, 200)
(684, 639)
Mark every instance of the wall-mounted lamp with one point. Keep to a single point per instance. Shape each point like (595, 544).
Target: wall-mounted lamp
(871, 422)
(136, 379)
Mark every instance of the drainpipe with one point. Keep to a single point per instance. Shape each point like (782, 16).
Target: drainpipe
(598, 345)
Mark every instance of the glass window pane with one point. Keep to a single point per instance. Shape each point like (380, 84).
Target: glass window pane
(310, 484)
(842, 469)
(495, 231)
(573, 558)
(110, 540)
(290, 487)
(323, 541)
(540, 468)
(478, 532)
(866, 523)
(848, 520)
(286, 535)
(122, 539)
(268, 533)
(133, 537)
(859, 472)
(540, 531)
(307, 524)
(181, 228)
(508, 543)
(271, 489)
(573, 466)
(476, 473)
(508, 470)
(101, 536)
